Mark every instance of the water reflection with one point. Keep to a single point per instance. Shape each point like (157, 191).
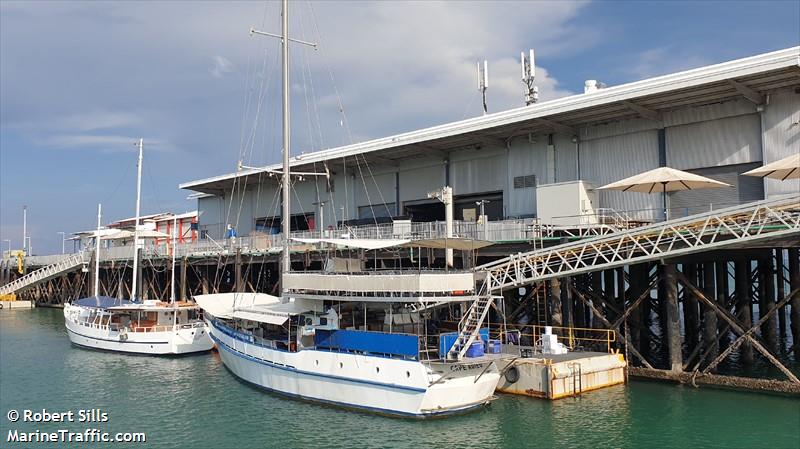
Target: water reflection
(195, 402)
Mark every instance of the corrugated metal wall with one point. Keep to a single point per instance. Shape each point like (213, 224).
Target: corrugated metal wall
(727, 141)
(478, 171)
(566, 158)
(373, 188)
(415, 183)
(613, 158)
(525, 158)
(745, 189)
(781, 124)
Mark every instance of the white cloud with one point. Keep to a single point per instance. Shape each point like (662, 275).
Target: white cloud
(221, 67)
(664, 60)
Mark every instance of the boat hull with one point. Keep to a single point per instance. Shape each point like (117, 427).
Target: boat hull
(185, 340)
(370, 383)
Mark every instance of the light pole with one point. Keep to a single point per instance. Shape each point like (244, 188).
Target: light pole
(9, 245)
(29, 250)
(63, 239)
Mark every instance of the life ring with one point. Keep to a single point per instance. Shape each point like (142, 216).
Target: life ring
(1, 306)
(512, 375)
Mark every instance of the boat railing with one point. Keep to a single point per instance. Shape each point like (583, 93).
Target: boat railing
(143, 329)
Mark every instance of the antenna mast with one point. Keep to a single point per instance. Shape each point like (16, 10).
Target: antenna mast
(528, 78)
(483, 83)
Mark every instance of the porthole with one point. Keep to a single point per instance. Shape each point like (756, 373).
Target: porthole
(341, 365)
(377, 369)
(408, 373)
(316, 362)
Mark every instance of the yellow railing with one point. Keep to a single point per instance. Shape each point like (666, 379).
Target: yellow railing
(571, 337)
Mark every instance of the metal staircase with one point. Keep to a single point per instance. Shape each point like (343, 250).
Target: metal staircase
(64, 266)
(470, 325)
(735, 227)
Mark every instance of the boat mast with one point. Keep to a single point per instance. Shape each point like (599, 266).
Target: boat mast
(97, 252)
(136, 223)
(287, 265)
(172, 274)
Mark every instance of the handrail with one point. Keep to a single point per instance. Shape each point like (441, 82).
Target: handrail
(43, 273)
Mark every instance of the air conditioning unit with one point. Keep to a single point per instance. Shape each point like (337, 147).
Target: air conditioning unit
(566, 203)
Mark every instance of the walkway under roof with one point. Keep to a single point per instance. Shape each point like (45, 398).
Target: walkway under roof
(751, 78)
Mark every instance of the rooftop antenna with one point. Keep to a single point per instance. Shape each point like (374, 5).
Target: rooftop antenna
(529, 77)
(483, 82)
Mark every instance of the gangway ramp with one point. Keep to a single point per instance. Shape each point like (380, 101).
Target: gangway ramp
(64, 266)
(749, 225)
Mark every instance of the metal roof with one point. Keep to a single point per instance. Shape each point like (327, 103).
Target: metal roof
(750, 77)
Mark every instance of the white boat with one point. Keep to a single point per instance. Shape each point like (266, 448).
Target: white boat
(151, 327)
(297, 345)
(147, 327)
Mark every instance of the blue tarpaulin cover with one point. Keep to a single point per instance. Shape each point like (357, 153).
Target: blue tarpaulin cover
(369, 342)
(101, 302)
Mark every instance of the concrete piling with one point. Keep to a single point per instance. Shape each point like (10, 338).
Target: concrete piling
(794, 284)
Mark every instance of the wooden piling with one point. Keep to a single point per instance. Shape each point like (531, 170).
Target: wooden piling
(555, 302)
(673, 330)
(780, 292)
(794, 284)
(690, 309)
(744, 306)
(709, 316)
(766, 302)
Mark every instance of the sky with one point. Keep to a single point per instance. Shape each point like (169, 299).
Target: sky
(80, 82)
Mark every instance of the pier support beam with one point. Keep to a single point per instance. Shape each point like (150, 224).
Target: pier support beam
(780, 291)
(555, 304)
(238, 271)
(690, 309)
(673, 331)
(794, 284)
(766, 293)
(744, 306)
(709, 316)
(184, 268)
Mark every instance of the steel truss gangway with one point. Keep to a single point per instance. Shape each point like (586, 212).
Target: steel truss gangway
(747, 225)
(64, 266)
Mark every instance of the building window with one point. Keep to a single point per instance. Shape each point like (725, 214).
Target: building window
(523, 182)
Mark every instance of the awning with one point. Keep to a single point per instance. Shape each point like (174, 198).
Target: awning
(221, 305)
(358, 243)
(277, 313)
(449, 243)
(101, 302)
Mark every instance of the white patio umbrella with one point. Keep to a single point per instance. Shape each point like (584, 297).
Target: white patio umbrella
(786, 168)
(662, 180)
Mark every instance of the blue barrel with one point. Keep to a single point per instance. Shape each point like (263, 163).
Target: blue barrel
(475, 349)
(493, 346)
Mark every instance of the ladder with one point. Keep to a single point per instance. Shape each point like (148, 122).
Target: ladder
(470, 325)
(540, 304)
(33, 278)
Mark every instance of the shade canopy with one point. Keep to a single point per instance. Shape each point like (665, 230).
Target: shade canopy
(664, 179)
(357, 243)
(786, 168)
(450, 243)
(221, 305)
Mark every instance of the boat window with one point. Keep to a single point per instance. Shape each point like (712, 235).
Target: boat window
(323, 321)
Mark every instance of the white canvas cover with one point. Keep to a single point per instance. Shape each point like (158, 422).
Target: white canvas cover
(221, 305)
(357, 243)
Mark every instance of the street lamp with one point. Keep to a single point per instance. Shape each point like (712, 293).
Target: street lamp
(63, 239)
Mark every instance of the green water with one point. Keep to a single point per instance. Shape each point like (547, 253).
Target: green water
(194, 402)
